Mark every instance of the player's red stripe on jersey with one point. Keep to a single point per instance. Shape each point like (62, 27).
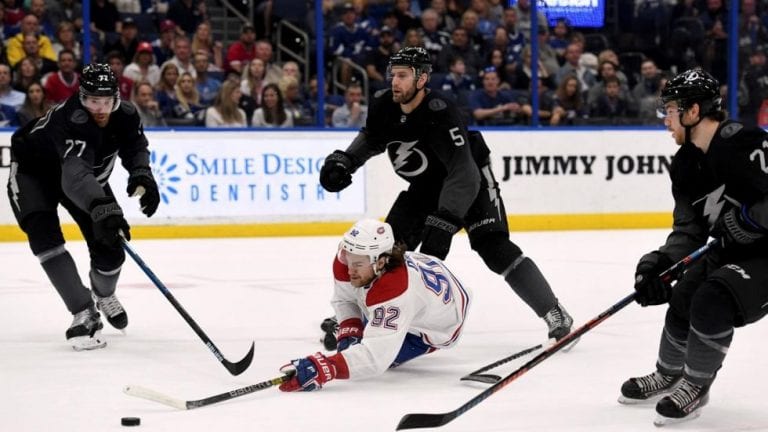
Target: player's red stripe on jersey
(340, 270)
(390, 285)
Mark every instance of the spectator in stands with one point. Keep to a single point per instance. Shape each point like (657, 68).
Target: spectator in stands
(14, 13)
(547, 54)
(116, 62)
(412, 38)
(753, 89)
(31, 46)
(610, 105)
(377, 60)
(203, 41)
(15, 46)
(547, 103)
(405, 18)
(647, 108)
(65, 39)
(9, 96)
(264, 52)
(459, 47)
(272, 113)
(24, 74)
(187, 105)
(68, 10)
(626, 79)
(457, 80)
(146, 105)
(569, 108)
(447, 19)
(104, 17)
(182, 57)
(523, 10)
(128, 41)
(348, 40)
(390, 20)
(485, 24)
(187, 14)
(332, 101)
(251, 84)
(648, 85)
(434, 38)
(586, 77)
(291, 68)
(559, 39)
(165, 90)
(605, 70)
(39, 9)
(506, 72)
(353, 113)
(491, 106)
(521, 78)
(293, 101)
(469, 21)
(143, 67)
(163, 46)
(241, 51)
(714, 17)
(225, 112)
(365, 20)
(516, 40)
(59, 86)
(35, 105)
(207, 86)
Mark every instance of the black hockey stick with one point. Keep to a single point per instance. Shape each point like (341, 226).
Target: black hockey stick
(149, 394)
(233, 368)
(479, 376)
(417, 421)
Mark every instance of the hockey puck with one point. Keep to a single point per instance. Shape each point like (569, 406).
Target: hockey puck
(130, 421)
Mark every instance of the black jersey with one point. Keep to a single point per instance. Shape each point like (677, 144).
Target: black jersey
(733, 173)
(429, 148)
(67, 145)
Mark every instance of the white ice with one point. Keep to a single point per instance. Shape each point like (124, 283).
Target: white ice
(275, 292)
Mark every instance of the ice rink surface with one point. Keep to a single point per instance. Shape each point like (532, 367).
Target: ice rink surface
(276, 292)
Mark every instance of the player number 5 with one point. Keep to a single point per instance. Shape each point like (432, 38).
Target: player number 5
(456, 136)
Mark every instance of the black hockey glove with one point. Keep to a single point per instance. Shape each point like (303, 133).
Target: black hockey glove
(150, 199)
(735, 227)
(649, 288)
(336, 173)
(438, 233)
(108, 221)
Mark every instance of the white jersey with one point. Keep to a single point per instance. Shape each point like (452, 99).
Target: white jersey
(422, 297)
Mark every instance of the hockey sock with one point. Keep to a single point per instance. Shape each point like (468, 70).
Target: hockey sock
(529, 284)
(104, 282)
(713, 313)
(673, 345)
(62, 272)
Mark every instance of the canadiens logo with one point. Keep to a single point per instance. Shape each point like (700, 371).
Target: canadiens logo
(402, 157)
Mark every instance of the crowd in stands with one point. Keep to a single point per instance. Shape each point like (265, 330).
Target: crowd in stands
(177, 73)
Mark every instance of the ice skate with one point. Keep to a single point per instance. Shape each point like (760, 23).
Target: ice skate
(329, 327)
(85, 331)
(559, 323)
(683, 404)
(648, 388)
(113, 310)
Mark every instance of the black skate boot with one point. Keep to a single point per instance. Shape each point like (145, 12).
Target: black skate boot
(559, 323)
(85, 331)
(648, 388)
(683, 404)
(329, 327)
(113, 310)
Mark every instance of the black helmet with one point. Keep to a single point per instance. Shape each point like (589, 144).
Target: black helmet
(98, 79)
(694, 86)
(416, 57)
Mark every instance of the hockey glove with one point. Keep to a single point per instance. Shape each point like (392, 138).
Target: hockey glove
(150, 199)
(735, 227)
(108, 221)
(649, 288)
(336, 173)
(438, 233)
(350, 333)
(309, 373)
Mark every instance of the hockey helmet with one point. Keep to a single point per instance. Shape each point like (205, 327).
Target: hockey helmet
(98, 80)
(693, 86)
(414, 57)
(368, 237)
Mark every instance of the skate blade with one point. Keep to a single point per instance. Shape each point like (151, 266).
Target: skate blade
(666, 421)
(87, 343)
(630, 401)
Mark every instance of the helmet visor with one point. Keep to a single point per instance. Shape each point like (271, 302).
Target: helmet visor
(352, 260)
(98, 104)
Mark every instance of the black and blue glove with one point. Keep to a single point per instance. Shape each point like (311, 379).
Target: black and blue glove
(649, 288)
(438, 233)
(150, 198)
(736, 228)
(108, 221)
(336, 173)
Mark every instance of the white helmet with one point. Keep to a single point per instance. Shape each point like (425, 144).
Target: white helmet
(369, 237)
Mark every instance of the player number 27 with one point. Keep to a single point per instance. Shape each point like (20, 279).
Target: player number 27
(71, 144)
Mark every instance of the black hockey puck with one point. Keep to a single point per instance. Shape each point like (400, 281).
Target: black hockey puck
(130, 421)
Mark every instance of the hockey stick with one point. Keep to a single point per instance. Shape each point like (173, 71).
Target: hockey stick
(149, 394)
(479, 376)
(417, 421)
(233, 368)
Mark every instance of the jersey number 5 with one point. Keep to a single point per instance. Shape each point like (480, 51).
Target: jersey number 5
(456, 136)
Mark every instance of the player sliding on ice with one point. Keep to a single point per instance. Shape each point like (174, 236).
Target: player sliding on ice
(392, 306)
(720, 186)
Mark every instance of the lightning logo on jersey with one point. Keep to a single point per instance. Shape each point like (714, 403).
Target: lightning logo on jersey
(713, 204)
(403, 152)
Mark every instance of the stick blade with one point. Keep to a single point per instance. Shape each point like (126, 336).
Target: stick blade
(149, 394)
(419, 421)
(240, 367)
(483, 378)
